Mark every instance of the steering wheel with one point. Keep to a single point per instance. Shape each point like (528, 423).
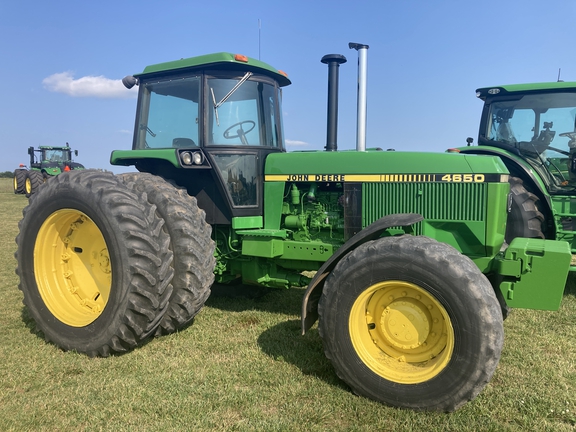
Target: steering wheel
(240, 132)
(571, 135)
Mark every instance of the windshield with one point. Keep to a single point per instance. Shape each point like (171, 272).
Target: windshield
(168, 115)
(243, 112)
(542, 127)
(56, 155)
(535, 124)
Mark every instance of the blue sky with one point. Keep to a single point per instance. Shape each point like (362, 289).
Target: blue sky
(61, 63)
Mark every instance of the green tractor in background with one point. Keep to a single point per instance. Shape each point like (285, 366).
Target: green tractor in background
(532, 129)
(403, 255)
(51, 162)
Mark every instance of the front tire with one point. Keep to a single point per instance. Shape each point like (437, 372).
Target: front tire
(94, 264)
(191, 243)
(412, 323)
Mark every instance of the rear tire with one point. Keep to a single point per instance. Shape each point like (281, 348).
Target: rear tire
(33, 181)
(411, 322)
(191, 243)
(20, 181)
(94, 264)
(524, 219)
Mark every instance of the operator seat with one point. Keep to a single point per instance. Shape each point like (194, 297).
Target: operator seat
(504, 133)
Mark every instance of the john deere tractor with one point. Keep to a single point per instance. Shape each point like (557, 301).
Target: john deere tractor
(532, 129)
(50, 162)
(403, 255)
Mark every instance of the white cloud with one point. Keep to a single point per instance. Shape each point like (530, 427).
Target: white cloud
(296, 143)
(88, 86)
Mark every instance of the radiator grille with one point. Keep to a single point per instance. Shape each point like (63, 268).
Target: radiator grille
(434, 201)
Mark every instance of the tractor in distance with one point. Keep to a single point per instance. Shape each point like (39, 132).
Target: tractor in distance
(532, 129)
(50, 162)
(403, 255)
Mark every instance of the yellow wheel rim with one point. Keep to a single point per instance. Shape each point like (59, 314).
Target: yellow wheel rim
(15, 183)
(72, 267)
(401, 332)
(28, 185)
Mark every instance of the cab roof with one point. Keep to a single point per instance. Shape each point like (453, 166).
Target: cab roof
(484, 92)
(223, 60)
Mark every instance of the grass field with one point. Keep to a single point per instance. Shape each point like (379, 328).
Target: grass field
(244, 366)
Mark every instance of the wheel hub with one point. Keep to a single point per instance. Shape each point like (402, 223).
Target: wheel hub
(401, 331)
(405, 324)
(73, 268)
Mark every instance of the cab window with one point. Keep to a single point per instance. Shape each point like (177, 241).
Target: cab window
(168, 115)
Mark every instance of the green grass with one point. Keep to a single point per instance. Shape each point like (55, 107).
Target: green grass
(244, 366)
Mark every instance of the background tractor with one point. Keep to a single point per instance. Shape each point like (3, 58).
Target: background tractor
(403, 255)
(532, 129)
(50, 162)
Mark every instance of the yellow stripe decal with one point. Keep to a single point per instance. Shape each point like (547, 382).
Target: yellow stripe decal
(388, 178)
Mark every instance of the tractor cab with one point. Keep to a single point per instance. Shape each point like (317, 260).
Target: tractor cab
(537, 123)
(51, 161)
(208, 123)
(49, 155)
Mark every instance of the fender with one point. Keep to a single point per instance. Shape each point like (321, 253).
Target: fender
(514, 164)
(371, 232)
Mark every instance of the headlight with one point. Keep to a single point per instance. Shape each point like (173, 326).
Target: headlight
(192, 158)
(187, 158)
(198, 158)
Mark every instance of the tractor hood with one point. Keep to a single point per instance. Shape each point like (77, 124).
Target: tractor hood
(378, 166)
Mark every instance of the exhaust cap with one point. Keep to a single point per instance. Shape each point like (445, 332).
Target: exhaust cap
(337, 58)
(357, 46)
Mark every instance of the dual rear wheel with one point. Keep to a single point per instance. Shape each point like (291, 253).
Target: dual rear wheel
(27, 181)
(104, 263)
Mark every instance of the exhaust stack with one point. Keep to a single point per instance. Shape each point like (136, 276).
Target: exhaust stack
(362, 68)
(333, 61)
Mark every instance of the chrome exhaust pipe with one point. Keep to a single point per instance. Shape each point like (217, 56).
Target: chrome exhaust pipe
(362, 72)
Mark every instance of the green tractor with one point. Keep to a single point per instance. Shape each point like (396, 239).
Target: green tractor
(51, 162)
(532, 129)
(403, 255)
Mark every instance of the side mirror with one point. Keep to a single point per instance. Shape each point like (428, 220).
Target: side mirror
(75, 152)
